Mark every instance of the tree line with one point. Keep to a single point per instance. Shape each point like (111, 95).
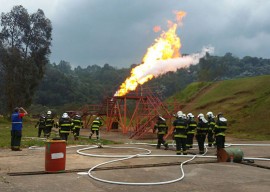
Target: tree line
(91, 85)
(28, 78)
(25, 41)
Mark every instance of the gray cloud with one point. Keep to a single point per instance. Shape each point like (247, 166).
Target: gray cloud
(118, 32)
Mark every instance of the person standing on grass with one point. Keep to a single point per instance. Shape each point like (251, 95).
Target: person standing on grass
(41, 125)
(49, 124)
(16, 128)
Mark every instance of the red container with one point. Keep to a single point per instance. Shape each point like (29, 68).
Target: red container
(55, 156)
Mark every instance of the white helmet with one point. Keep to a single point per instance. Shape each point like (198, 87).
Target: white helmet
(97, 118)
(49, 112)
(161, 118)
(200, 115)
(179, 114)
(65, 115)
(184, 116)
(190, 115)
(210, 114)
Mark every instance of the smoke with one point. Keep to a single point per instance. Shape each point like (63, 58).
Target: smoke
(161, 67)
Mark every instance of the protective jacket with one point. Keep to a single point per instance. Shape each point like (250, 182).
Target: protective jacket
(41, 122)
(49, 121)
(221, 126)
(211, 123)
(180, 128)
(65, 125)
(192, 125)
(202, 127)
(77, 122)
(96, 124)
(161, 127)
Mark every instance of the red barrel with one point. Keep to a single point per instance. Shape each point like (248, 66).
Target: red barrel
(55, 156)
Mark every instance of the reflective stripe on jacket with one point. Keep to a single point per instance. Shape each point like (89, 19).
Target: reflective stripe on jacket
(16, 121)
(180, 128)
(65, 125)
(161, 127)
(96, 124)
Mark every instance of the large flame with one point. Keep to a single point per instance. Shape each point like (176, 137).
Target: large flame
(159, 58)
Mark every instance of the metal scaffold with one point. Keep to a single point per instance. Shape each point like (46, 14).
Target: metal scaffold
(134, 113)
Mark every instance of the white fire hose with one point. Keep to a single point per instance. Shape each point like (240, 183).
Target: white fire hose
(148, 154)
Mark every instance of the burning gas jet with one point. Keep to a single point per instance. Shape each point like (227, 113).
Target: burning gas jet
(163, 56)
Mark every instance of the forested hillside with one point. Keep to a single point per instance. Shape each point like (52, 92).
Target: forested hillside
(67, 88)
(63, 85)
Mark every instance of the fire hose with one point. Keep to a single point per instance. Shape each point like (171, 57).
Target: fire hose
(147, 154)
(139, 155)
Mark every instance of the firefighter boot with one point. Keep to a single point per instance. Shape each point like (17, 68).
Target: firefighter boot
(166, 146)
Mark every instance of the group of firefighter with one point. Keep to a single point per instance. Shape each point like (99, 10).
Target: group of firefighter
(66, 125)
(186, 127)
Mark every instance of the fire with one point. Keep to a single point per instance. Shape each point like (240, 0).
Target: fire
(156, 29)
(167, 46)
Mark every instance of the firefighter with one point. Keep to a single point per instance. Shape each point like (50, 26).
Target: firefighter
(162, 130)
(65, 125)
(49, 124)
(96, 124)
(201, 132)
(41, 125)
(180, 133)
(16, 128)
(192, 125)
(211, 123)
(77, 125)
(220, 128)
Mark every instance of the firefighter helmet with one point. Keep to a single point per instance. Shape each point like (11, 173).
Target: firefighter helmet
(65, 115)
(179, 114)
(200, 115)
(49, 112)
(210, 114)
(184, 116)
(190, 115)
(161, 118)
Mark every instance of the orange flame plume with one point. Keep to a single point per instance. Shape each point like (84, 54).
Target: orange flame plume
(167, 46)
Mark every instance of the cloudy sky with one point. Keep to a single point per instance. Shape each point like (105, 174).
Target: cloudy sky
(118, 32)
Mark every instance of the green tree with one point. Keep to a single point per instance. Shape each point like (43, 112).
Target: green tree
(24, 49)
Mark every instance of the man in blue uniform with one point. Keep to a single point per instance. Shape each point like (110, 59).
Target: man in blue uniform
(16, 129)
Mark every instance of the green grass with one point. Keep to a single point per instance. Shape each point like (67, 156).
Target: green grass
(188, 93)
(245, 103)
(29, 136)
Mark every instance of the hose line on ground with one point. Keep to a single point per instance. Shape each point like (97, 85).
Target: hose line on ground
(148, 154)
(126, 157)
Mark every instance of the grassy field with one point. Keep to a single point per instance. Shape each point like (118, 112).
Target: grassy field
(30, 135)
(245, 103)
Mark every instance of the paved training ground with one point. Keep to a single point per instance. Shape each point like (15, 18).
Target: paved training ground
(201, 174)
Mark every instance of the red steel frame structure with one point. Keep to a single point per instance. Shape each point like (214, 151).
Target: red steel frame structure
(135, 112)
